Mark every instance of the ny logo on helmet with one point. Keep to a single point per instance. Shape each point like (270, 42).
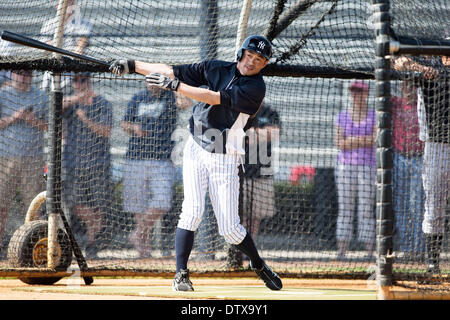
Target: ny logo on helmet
(261, 45)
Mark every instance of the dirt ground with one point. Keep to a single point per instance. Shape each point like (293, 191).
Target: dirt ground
(14, 289)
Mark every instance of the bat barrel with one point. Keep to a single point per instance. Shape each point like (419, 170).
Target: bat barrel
(23, 40)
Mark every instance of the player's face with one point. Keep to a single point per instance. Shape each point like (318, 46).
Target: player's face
(251, 63)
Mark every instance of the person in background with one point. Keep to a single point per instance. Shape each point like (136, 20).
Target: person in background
(408, 188)
(258, 188)
(434, 130)
(150, 120)
(23, 112)
(86, 159)
(76, 35)
(356, 170)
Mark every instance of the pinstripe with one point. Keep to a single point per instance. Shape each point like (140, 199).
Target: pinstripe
(224, 186)
(436, 183)
(219, 173)
(195, 180)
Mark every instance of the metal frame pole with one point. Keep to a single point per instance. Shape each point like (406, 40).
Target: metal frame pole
(53, 202)
(384, 153)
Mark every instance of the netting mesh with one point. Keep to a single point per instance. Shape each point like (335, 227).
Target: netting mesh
(310, 212)
(420, 106)
(420, 175)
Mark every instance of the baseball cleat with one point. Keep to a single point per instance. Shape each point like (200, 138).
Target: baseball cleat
(433, 268)
(270, 278)
(182, 282)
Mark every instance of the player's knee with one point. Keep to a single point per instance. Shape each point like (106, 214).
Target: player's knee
(233, 234)
(190, 221)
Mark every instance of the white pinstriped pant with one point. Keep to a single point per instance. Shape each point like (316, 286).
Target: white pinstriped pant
(356, 184)
(436, 184)
(219, 173)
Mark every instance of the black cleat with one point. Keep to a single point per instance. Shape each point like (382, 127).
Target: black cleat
(182, 282)
(270, 278)
(433, 268)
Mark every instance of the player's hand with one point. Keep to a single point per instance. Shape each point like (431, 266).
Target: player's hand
(122, 67)
(162, 81)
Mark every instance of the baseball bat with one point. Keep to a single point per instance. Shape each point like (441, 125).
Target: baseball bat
(74, 244)
(76, 249)
(23, 40)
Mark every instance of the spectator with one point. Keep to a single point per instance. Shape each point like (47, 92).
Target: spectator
(4, 78)
(86, 157)
(356, 170)
(258, 189)
(75, 36)
(408, 189)
(6, 49)
(148, 177)
(434, 125)
(22, 124)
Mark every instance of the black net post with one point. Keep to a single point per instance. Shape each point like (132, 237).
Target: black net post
(384, 154)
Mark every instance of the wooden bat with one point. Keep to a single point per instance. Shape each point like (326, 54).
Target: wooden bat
(23, 40)
(76, 249)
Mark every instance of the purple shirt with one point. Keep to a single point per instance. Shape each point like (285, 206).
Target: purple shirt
(359, 156)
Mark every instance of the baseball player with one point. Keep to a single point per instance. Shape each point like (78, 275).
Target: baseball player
(434, 125)
(229, 93)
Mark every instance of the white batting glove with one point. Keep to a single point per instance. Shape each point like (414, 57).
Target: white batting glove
(162, 81)
(122, 67)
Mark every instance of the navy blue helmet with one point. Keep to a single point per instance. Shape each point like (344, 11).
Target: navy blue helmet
(257, 44)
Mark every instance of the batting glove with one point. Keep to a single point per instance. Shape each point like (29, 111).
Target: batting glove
(122, 67)
(162, 81)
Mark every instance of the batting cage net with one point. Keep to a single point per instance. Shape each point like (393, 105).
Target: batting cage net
(308, 186)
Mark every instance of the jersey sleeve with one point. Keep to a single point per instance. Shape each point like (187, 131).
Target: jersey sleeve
(191, 74)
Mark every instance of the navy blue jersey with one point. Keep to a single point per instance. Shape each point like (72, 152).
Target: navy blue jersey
(240, 97)
(157, 116)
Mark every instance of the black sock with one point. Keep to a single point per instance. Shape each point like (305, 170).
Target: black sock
(248, 247)
(184, 241)
(434, 244)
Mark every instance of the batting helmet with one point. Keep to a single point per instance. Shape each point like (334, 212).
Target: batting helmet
(257, 44)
